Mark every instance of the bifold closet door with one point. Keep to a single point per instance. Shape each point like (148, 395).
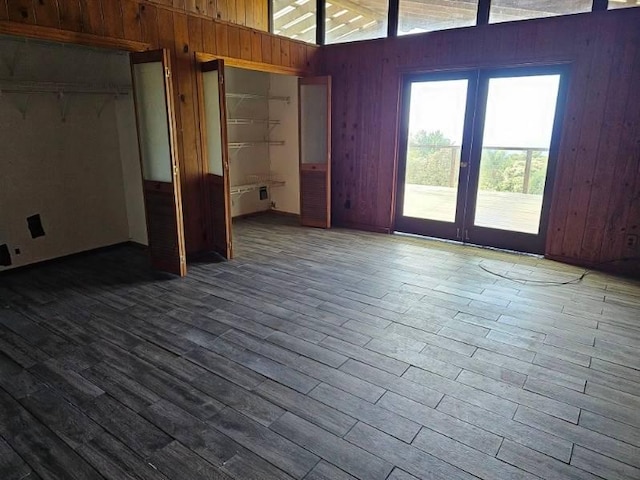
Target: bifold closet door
(215, 151)
(155, 117)
(315, 151)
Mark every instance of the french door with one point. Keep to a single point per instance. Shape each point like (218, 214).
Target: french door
(478, 155)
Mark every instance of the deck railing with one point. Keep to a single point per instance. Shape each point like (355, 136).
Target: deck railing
(454, 166)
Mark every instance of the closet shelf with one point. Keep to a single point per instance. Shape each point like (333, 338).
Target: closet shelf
(250, 187)
(255, 144)
(252, 121)
(253, 96)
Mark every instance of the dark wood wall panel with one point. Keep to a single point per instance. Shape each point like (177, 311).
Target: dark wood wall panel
(596, 199)
(184, 27)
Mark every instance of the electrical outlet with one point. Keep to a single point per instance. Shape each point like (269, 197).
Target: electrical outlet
(631, 241)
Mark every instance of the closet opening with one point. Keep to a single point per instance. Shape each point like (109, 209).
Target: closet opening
(266, 146)
(89, 156)
(70, 175)
(262, 130)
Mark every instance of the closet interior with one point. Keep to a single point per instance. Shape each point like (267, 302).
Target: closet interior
(262, 135)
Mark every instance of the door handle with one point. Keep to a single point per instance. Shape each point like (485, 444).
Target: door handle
(464, 164)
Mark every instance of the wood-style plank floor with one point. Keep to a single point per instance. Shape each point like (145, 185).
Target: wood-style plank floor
(319, 355)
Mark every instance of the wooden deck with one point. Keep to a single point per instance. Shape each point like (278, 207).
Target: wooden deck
(502, 210)
(319, 355)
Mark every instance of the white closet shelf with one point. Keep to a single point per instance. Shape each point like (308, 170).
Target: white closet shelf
(250, 187)
(253, 96)
(252, 121)
(254, 144)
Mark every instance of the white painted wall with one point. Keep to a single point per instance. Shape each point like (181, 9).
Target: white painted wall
(285, 159)
(263, 160)
(250, 160)
(131, 172)
(77, 173)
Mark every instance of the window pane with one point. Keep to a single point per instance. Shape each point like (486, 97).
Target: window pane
(623, 4)
(508, 10)
(355, 20)
(417, 16)
(295, 19)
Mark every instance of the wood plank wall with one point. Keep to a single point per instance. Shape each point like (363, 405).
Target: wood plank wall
(184, 27)
(596, 199)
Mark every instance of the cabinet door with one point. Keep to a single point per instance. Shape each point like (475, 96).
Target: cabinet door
(315, 151)
(215, 152)
(155, 117)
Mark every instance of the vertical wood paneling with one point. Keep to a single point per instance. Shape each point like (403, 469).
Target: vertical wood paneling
(21, 11)
(222, 10)
(623, 215)
(285, 54)
(596, 197)
(233, 45)
(275, 50)
(256, 46)
(92, 18)
(149, 24)
(47, 13)
(240, 17)
(190, 167)
(610, 143)
(589, 139)
(245, 44)
(209, 36)
(113, 21)
(266, 47)
(222, 39)
(70, 15)
(131, 20)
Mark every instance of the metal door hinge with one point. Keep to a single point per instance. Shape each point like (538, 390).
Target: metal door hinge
(457, 233)
(167, 72)
(466, 235)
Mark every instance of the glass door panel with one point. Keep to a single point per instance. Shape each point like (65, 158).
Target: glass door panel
(434, 146)
(518, 127)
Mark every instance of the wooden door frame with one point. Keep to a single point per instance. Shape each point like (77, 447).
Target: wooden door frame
(202, 57)
(204, 149)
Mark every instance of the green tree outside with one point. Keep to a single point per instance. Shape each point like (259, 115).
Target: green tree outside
(429, 162)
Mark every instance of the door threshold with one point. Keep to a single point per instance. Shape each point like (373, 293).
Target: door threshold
(467, 244)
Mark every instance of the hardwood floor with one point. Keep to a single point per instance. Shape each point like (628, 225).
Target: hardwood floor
(319, 355)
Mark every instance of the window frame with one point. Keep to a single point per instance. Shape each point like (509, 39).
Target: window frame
(393, 14)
